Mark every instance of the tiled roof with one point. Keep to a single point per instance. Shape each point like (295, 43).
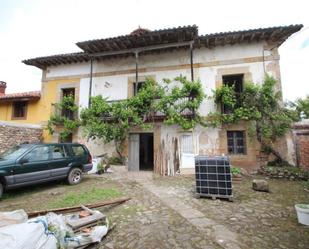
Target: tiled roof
(133, 40)
(276, 35)
(21, 96)
(43, 62)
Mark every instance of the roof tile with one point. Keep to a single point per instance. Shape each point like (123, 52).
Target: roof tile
(273, 34)
(30, 95)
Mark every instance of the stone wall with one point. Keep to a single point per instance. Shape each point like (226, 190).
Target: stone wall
(301, 139)
(12, 134)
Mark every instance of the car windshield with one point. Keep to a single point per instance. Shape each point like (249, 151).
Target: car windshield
(13, 153)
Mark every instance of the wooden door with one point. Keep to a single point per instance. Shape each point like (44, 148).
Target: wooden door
(133, 152)
(187, 151)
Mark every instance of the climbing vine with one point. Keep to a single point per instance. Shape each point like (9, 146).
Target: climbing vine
(64, 117)
(178, 101)
(261, 106)
(111, 121)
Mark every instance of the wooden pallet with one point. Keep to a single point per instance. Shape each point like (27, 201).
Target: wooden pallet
(214, 197)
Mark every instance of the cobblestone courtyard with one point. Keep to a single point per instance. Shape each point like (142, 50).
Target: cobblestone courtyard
(163, 212)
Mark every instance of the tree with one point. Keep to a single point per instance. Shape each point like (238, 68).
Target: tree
(111, 121)
(301, 106)
(261, 106)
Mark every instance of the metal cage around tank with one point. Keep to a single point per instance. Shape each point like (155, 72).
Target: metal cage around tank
(213, 177)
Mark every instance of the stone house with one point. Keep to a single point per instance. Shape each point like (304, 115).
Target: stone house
(19, 119)
(116, 67)
(19, 107)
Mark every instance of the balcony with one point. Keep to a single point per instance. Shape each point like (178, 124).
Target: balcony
(156, 116)
(63, 113)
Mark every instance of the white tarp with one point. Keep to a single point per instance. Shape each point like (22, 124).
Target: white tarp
(44, 232)
(14, 217)
(26, 236)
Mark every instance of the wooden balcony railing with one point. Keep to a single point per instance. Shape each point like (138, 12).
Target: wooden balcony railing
(69, 114)
(157, 115)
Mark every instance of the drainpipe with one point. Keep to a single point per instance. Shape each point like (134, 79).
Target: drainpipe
(136, 72)
(191, 64)
(90, 82)
(191, 60)
(264, 61)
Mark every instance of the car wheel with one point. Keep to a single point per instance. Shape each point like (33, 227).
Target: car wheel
(75, 176)
(1, 190)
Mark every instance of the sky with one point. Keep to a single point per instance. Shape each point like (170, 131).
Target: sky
(33, 28)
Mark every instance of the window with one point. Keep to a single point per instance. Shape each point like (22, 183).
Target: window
(78, 150)
(67, 92)
(58, 152)
(19, 110)
(14, 152)
(187, 144)
(235, 81)
(38, 154)
(68, 139)
(236, 142)
(139, 87)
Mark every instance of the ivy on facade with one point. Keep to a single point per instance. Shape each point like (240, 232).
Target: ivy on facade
(64, 117)
(260, 105)
(178, 101)
(111, 121)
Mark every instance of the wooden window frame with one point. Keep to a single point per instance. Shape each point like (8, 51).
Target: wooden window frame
(235, 145)
(68, 113)
(138, 83)
(225, 109)
(186, 139)
(13, 117)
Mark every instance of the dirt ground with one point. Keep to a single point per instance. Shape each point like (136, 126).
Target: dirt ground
(260, 220)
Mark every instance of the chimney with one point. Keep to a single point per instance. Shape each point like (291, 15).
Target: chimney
(2, 88)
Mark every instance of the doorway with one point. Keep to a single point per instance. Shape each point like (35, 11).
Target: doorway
(141, 152)
(146, 151)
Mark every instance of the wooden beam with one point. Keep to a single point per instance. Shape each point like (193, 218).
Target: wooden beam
(77, 208)
(78, 223)
(136, 73)
(191, 61)
(90, 82)
(141, 49)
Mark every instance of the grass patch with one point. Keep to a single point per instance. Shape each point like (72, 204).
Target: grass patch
(86, 197)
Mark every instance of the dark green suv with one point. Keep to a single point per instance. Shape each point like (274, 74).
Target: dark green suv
(29, 164)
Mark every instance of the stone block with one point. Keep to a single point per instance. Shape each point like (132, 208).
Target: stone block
(260, 185)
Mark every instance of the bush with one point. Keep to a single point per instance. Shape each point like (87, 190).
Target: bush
(101, 168)
(278, 163)
(235, 171)
(288, 172)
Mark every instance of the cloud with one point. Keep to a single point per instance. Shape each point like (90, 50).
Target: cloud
(35, 28)
(294, 61)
